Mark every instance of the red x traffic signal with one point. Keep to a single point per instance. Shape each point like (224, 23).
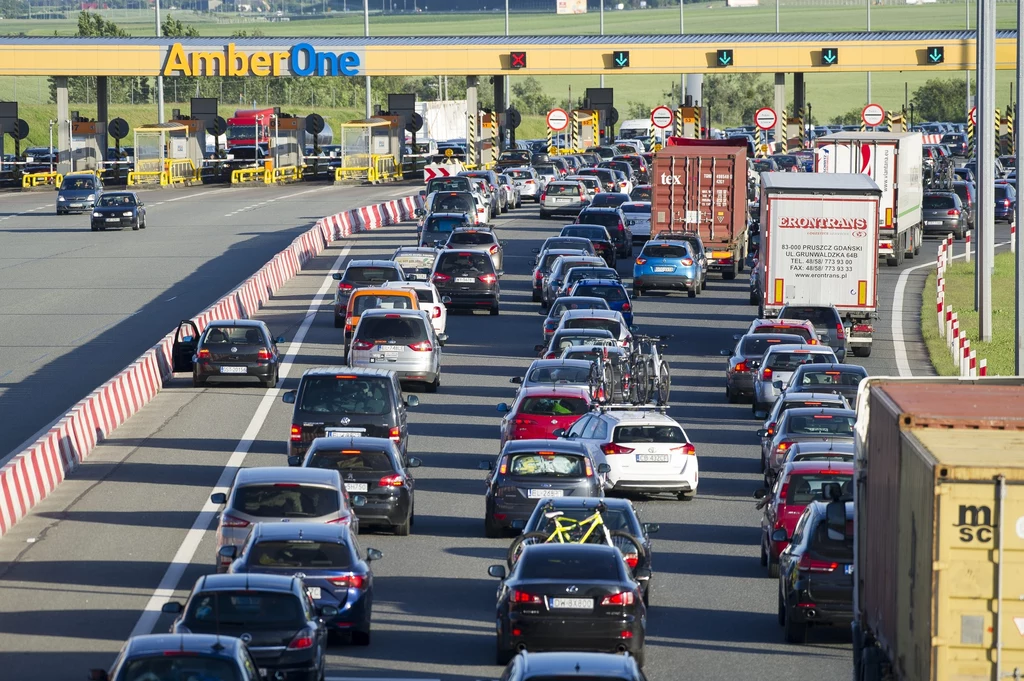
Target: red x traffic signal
(517, 60)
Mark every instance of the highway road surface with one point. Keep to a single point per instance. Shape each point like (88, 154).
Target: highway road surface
(93, 563)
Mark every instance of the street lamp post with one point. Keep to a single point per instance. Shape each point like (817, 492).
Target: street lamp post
(869, 31)
(159, 77)
(366, 34)
(602, 33)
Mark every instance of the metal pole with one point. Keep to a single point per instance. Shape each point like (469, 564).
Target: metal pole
(159, 78)
(366, 34)
(508, 79)
(967, 12)
(869, 31)
(277, 156)
(602, 33)
(506, 17)
(1018, 326)
(682, 26)
(985, 134)
(51, 143)
(777, 15)
(682, 77)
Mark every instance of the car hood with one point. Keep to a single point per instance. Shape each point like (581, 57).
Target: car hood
(113, 209)
(77, 193)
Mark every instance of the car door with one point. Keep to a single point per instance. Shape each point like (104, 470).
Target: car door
(186, 339)
(402, 418)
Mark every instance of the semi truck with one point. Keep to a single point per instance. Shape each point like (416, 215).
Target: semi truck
(938, 545)
(249, 127)
(700, 186)
(894, 161)
(818, 247)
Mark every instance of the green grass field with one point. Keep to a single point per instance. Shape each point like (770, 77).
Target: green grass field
(960, 294)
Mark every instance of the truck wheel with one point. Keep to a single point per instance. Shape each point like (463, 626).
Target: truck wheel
(862, 351)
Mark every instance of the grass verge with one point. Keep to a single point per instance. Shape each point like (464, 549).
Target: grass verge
(960, 295)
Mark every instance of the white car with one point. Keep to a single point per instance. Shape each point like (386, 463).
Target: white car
(647, 450)
(638, 218)
(592, 183)
(609, 320)
(428, 299)
(528, 181)
(436, 203)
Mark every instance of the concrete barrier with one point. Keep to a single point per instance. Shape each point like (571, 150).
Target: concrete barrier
(32, 474)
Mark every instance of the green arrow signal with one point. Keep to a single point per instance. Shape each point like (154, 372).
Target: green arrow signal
(935, 56)
(829, 56)
(621, 59)
(725, 58)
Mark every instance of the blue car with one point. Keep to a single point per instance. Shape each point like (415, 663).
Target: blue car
(666, 265)
(613, 292)
(1006, 202)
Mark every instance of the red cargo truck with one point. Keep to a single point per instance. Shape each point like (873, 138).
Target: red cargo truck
(249, 127)
(700, 186)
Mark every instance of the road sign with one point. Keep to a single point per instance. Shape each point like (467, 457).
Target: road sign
(620, 59)
(936, 55)
(613, 116)
(513, 118)
(766, 118)
(558, 119)
(973, 115)
(118, 128)
(872, 115)
(415, 123)
(829, 56)
(662, 117)
(725, 58)
(432, 171)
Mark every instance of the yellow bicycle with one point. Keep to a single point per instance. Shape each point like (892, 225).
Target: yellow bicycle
(591, 529)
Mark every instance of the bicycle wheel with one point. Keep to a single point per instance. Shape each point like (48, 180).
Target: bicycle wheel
(647, 386)
(630, 547)
(523, 540)
(664, 384)
(594, 382)
(608, 383)
(639, 383)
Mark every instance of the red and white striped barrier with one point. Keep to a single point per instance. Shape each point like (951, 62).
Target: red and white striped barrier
(931, 139)
(965, 359)
(31, 475)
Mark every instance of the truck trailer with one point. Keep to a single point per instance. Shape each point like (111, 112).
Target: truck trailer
(939, 530)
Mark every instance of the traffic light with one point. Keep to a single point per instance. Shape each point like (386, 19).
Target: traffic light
(829, 56)
(517, 60)
(620, 59)
(725, 58)
(936, 55)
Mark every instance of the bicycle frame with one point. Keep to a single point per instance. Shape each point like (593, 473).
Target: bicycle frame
(564, 526)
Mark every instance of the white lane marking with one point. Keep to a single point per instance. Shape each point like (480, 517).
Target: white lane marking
(898, 335)
(25, 212)
(254, 206)
(187, 550)
(190, 196)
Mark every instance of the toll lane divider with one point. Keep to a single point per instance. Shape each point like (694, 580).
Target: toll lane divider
(35, 472)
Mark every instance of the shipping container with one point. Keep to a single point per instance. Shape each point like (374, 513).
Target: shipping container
(700, 186)
(939, 530)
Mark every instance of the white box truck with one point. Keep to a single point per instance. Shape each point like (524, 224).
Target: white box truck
(894, 161)
(818, 243)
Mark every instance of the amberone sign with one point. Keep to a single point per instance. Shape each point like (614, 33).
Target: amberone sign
(300, 60)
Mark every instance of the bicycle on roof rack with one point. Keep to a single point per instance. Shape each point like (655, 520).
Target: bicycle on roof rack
(650, 371)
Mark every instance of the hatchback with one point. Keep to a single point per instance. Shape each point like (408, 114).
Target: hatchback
(609, 320)
(625, 180)
(641, 171)
(563, 198)
(799, 327)
(402, 341)
(827, 322)
(273, 614)
(598, 236)
(807, 424)
(556, 276)
(528, 181)
(666, 265)
(745, 358)
(820, 451)
(438, 226)
(613, 292)
(234, 348)
(513, 197)
(180, 656)
(374, 468)
(118, 209)
(548, 372)
(777, 365)
(638, 218)
(1006, 202)
(361, 274)
(528, 470)
(416, 261)
(469, 279)
(484, 239)
(564, 303)
(574, 274)
(463, 202)
(614, 220)
(839, 379)
(942, 213)
(332, 571)
(590, 183)
(373, 298)
(540, 410)
(428, 299)
(78, 192)
(548, 174)
(565, 338)
(546, 260)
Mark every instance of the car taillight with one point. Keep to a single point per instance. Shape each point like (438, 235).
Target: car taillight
(528, 182)
(783, 446)
(613, 448)
(521, 421)
(362, 345)
(440, 278)
(863, 328)
(203, 354)
(436, 314)
(395, 434)
(538, 276)
(550, 355)
(524, 597)
(344, 286)
(589, 468)
(622, 227)
(770, 430)
(393, 480)
(641, 260)
(840, 331)
(231, 521)
(742, 367)
(631, 560)
(487, 278)
(263, 353)
(493, 249)
(687, 449)
(687, 261)
(626, 307)
(422, 346)
(349, 581)
(543, 195)
(345, 520)
(621, 598)
(302, 640)
(503, 466)
(954, 212)
(1006, 203)
(811, 565)
(296, 432)
(766, 373)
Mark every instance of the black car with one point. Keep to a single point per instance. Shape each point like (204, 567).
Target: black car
(327, 555)
(604, 246)
(468, 277)
(118, 209)
(373, 467)
(609, 200)
(639, 164)
(828, 324)
(361, 274)
(529, 470)
(617, 514)
(838, 379)
(527, 666)
(547, 258)
(614, 220)
(286, 634)
(569, 597)
(348, 401)
(621, 166)
(942, 213)
(816, 569)
(968, 193)
(438, 226)
(745, 360)
(231, 348)
(180, 656)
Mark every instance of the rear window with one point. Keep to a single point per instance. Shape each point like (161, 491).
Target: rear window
(828, 378)
(371, 275)
(820, 424)
(415, 261)
(605, 219)
(546, 170)
(554, 405)
(443, 224)
(649, 433)
(666, 251)
(798, 404)
(300, 554)
(356, 395)
(577, 273)
(839, 550)
(286, 500)
(819, 316)
(361, 304)
(592, 565)
(468, 264)
(177, 667)
(568, 265)
(754, 346)
(560, 374)
(233, 335)
(614, 519)
(795, 330)
(641, 194)
(448, 184)
(548, 464)
(559, 242)
(399, 329)
(789, 361)
(424, 295)
(935, 202)
(606, 199)
(637, 209)
(452, 204)
(256, 609)
(569, 340)
(1002, 191)
(558, 309)
(803, 488)
(610, 325)
(353, 460)
(563, 190)
(520, 174)
(471, 238)
(608, 292)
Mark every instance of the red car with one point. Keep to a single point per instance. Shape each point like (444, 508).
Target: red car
(799, 484)
(541, 410)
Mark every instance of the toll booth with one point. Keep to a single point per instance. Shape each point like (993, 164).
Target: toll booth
(590, 129)
(289, 136)
(370, 150)
(88, 145)
(168, 153)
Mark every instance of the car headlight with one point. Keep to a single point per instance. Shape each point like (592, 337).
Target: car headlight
(60, 198)
(91, 197)
(127, 214)
(97, 215)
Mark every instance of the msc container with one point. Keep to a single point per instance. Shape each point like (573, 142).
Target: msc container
(701, 186)
(939, 530)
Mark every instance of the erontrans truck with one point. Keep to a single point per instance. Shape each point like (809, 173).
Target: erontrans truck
(818, 237)
(894, 161)
(938, 531)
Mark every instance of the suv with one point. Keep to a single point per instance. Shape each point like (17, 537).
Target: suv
(646, 450)
(828, 325)
(468, 278)
(614, 220)
(666, 265)
(360, 274)
(348, 401)
(180, 656)
(401, 340)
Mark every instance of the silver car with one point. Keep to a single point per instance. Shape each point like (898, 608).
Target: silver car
(564, 197)
(778, 364)
(609, 320)
(478, 237)
(281, 493)
(638, 219)
(513, 196)
(591, 183)
(402, 341)
(528, 182)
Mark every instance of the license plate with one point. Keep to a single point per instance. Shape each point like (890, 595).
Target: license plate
(557, 200)
(543, 493)
(355, 486)
(113, 219)
(653, 458)
(314, 592)
(664, 269)
(573, 603)
(848, 569)
(389, 348)
(416, 277)
(232, 370)
(341, 432)
(933, 222)
(464, 280)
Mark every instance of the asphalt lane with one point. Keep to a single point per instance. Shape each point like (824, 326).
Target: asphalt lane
(77, 306)
(82, 567)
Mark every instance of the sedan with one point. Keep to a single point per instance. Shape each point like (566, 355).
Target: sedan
(609, 199)
(569, 597)
(563, 198)
(792, 400)
(118, 209)
(1006, 201)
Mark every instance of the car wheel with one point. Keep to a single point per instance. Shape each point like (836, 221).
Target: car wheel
(95, 228)
(536, 297)
(782, 611)
(135, 226)
(764, 554)
(143, 223)
(495, 311)
(691, 293)
(491, 531)
(862, 351)
(729, 275)
(639, 657)
(270, 381)
(360, 638)
(403, 529)
(686, 496)
(729, 395)
(432, 387)
(773, 566)
(796, 632)
(754, 299)
(647, 594)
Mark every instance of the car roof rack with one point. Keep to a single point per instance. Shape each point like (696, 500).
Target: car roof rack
(661, 408)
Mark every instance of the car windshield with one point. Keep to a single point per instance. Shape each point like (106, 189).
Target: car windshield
(415, 261)
(473, 238)
(559, 308)
(180, 668)
(397, 329)
(458, 264)
(559, 374)
(649, 433)
(361, 304)
(819, 316)
(577, 273)
(448, 184)
(789, 361)
(352, 460)
(233, 335)
(554, 405)
(820, 424)
(666, 251)
(371, 275)
(555, 189)
(117, 200)
(255, 609)
(300, 553)
(935, 202)
(831, 378)
(795, 330)
(611, 325)
(78, 184)
(446, 203)
(340, 395)
(606, 291)
(590, 566)
(803, 488)
(286, 500)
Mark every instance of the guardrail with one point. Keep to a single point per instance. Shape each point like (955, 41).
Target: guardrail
(250, 175)
(966, 360)
(33, 180)
(380, 168)
(139, 177)
(287, 174)
(181, 171)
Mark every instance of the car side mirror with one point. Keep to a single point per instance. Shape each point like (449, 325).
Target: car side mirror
(760, 493)
(725, 353)
(327, 611)
(779, 535)
(559, 432)
(603, 468)
(419, 212)
(336, 276)
(442, 338)
(497, 571)
(171, 608)
(219, 498)
(651, 528)
(358, 500)
(446, 300)
(294, 460)
(777, 385)
(538, 348)
(642, 573)
(288, 397)
(412, 401)
(486, 465)
(229, 552)
(502, 408)
(518, 380)
(279, 339)
(762, 432)
(373, 554)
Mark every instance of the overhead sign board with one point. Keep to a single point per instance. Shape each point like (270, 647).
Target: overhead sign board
(517, 60)
(724, 58)
(662, 117)
(872, 115)
(620, 59)
(558, 119)
(300, 60)
(765, 118)
(935, 54)
(829, 56)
